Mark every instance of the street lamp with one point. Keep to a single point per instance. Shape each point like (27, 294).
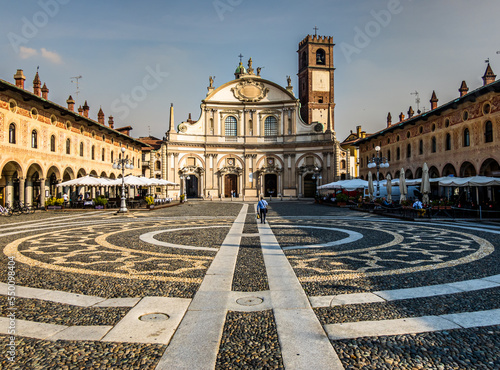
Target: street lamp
(317, 175)
(379, 162)
(122, 164)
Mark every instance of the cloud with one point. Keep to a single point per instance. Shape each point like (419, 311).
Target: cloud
(51, 56)
(26, 53)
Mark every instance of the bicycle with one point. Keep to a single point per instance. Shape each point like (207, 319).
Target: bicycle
(6, 211)
(20, 208)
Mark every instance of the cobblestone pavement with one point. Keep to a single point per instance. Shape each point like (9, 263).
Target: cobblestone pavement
(202, 286)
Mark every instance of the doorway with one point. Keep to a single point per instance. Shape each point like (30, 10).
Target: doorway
(309, 186)
(192, 187)
(270, 185)
(230, 186)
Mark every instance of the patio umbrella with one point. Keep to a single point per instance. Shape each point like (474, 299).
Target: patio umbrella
(371, 189)
(129, 180)
(402, 185)
(426, 184)
(389, 188)
(86, 181)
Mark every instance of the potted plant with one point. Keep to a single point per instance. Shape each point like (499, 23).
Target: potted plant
(150, 202)
(54, 203)
(342, 199)
(182, 198)
(100, 202)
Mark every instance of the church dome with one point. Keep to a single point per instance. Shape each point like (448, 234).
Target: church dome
(240, 70)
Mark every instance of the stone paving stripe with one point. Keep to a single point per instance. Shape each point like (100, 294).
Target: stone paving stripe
(494, 278)
(408, 293)
(54, 296)
(303, 341)
(132, 330)
(196, 342)
(412, 325)
(31, 329)
(380, 328)
(475, 319)
(419, 292)
(90, 333)
(73, 299)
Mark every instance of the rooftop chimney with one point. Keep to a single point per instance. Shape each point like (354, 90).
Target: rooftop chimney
(401, 117)
(20, 78)
(389, 119)
(463, 89)
(86, 109)
(37, 84)
(358, 131)
(434, 100)
(111, 122)
(71, 103)
(488, 77)
(100, 116)
(45, 92)
(80, 110)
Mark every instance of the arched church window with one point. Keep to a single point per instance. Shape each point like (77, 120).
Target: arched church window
(52, 143)
(34, 139)
(320, 57)
(12, 133)
(68, 146)
(81, 149)
(231, 128)
(271, 126)
(488, 132)
(466, 137)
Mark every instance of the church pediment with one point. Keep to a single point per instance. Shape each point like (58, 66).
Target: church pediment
(250, 91)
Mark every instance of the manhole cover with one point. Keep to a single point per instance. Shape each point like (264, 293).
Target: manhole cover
(249, 301)
(154, 317)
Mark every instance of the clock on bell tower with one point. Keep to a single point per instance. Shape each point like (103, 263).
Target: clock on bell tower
(316, 92)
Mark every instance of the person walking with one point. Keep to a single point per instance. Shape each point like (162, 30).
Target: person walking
(262, 209)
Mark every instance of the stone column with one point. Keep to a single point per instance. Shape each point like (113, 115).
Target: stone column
(29, 192)
(9, 191)
(42, 192)
(293, 176)
(21, 190)
(300, 185)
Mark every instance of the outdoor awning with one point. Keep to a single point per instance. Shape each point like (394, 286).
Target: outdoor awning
(349, 185)
(470, 181)
(87, 181)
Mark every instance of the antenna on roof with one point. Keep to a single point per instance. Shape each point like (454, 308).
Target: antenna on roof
(417, 100)
(73, 79)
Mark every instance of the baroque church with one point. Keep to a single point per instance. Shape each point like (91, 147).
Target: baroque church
(256, 137)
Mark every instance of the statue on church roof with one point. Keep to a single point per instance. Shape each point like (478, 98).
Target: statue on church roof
(250, 69)
(289, 81)
(211, 81)
(258, 71)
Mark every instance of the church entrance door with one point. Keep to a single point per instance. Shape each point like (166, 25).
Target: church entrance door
(192, 187)
(270, 185)
(230, 186)
(309, 186)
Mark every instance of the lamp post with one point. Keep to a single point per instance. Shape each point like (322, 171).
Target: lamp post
(122, 164)
(316, 175)
(378, 162)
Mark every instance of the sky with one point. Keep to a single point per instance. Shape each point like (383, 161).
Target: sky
(138, 57)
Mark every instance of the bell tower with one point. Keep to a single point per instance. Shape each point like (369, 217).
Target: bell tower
(316, 71)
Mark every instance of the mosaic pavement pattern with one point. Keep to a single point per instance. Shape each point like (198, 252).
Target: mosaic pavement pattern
(97, 278)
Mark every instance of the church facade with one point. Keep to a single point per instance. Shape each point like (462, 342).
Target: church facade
(256, 137)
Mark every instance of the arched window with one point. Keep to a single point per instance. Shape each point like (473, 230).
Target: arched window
(34, 139)
(408, 151)
(68, 146)
(433, 144)
(271, 126)
(103, 154)
(466, 137)
(81, 149)
(447, 143)
(320, 57)
(342, 164)
(303, 59)
(112, 155)
(398, 154)
(488, 132)
(158, 166)
(12, 133)
(231, 128)
(421, 147)
(388, 155)
(93, 152)
(52, 143)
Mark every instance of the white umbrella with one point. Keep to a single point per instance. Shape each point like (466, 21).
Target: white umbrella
(426, 184)
(86, 181)
(165, 182)
(402, 185)
(129, 180)
(389, 188)
(371, 189)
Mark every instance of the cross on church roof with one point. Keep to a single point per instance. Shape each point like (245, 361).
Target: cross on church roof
(241, 57)
(316, 30)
